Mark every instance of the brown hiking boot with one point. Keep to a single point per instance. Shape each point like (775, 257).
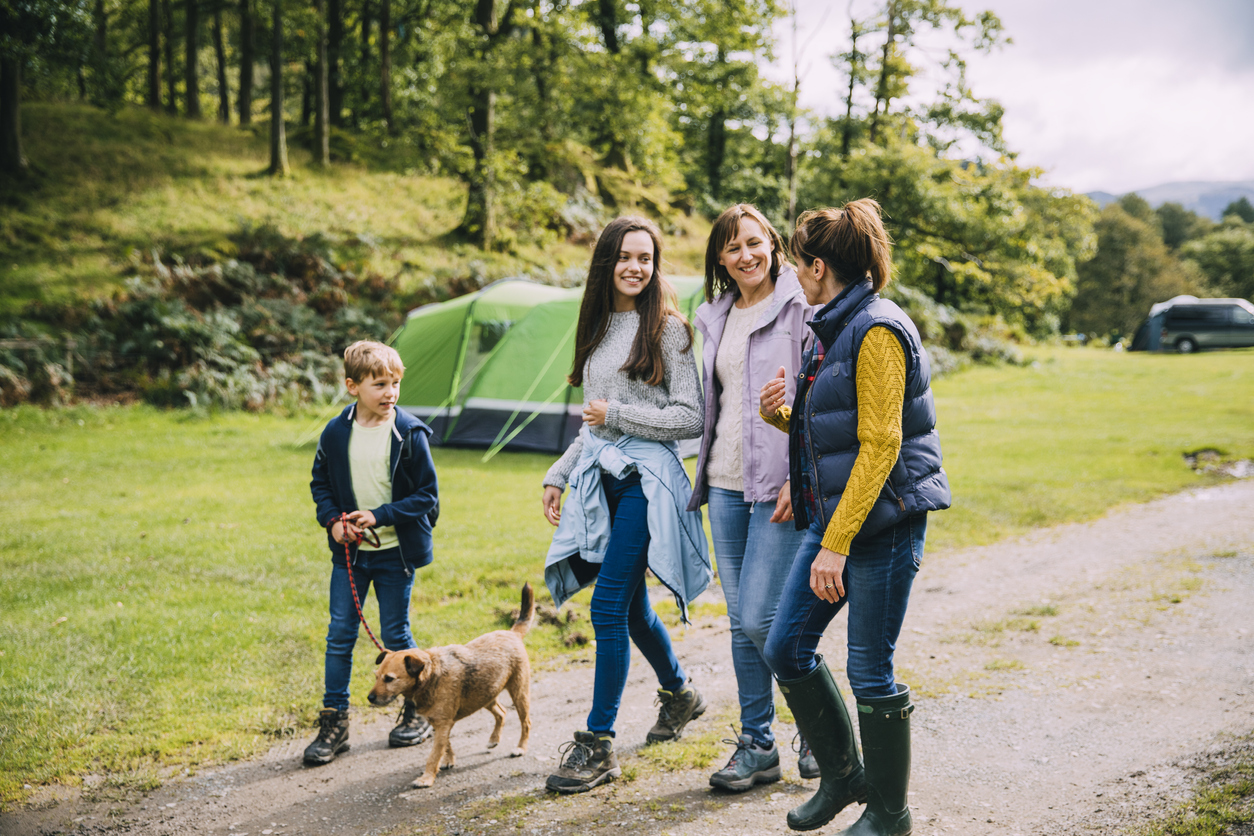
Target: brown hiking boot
(332, 737)
(412, 729)
(674, 712)
(590, 762)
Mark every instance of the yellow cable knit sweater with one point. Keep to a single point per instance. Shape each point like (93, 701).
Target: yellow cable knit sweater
(881, 392)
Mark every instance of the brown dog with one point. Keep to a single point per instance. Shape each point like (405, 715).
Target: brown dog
(449, 683)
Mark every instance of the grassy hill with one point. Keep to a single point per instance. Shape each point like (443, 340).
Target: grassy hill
(107, 187)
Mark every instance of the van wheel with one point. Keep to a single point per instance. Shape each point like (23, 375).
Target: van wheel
(1186, 345)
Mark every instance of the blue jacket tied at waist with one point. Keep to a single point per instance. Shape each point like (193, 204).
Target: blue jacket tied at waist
(678, 553)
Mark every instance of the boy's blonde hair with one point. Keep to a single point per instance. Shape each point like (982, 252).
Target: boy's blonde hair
(367, 357)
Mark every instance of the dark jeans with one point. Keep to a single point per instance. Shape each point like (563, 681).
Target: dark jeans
(878, 575)
(621, 608)
(392, 586)
(754, 557)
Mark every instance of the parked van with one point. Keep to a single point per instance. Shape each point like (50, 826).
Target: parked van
(1188, 324)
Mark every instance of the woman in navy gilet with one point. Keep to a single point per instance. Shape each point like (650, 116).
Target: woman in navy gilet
(865, 468)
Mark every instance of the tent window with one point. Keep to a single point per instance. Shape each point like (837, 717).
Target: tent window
(491, 332)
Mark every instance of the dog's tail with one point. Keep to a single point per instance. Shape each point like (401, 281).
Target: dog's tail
(527, 613)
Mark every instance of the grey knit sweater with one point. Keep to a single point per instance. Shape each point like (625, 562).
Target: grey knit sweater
(667, 412)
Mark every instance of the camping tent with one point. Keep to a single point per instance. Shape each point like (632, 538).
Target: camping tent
(489, 369)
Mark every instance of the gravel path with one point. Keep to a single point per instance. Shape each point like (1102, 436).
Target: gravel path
(1076, 680)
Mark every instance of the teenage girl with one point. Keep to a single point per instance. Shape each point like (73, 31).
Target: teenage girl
(628, 490)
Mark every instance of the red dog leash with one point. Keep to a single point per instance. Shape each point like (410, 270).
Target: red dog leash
(371, 537)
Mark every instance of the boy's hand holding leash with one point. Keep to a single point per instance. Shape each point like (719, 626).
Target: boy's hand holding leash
(343, 532)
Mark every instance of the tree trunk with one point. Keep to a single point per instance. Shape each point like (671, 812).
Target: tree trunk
(167, 22)
(247, 58)
(846, 133)
(306, 95)
(479, 223)
(153, 99)
(716, 146)
(191, 73)
(881, 91)
(607, 20)
(322, 139)
(219, 49)
(335, 43)
(278, 139)
(364, 71)
(12, 160)
(385, 62)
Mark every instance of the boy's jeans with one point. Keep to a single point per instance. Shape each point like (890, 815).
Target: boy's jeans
(620, 606)
(754, 556)
(392, 586)
(877, 578)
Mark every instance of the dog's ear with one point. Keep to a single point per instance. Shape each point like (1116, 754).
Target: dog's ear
(378, 660)
(413, 666)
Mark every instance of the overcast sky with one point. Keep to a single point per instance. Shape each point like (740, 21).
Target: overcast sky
(1110, 95)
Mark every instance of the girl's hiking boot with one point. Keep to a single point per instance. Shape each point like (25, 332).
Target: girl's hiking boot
(750, 764)
(806, 764)
(674, 712)
(590, 762)
(332, 737)
(412, 729)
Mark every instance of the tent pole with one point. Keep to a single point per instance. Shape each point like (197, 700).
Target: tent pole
(457, 371)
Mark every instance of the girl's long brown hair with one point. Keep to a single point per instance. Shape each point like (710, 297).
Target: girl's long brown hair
(727, 227)
(851, 240)
(655, 303)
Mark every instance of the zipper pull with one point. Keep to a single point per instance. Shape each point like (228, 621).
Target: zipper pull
(902, 503)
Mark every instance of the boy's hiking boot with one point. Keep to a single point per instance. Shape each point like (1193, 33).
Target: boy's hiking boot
(412, 729)
(674, 712)
(332, 737)
(806, 764)
(750, 764)
(590, 762)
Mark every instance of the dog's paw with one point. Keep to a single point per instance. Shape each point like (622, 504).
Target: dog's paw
(423, 781)
(444, 767)
(492, 744)
(519, 752)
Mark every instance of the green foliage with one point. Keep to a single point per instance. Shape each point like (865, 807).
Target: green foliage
(1179, 225)
(1131, 270)
(1242, 208)
(1226, 257)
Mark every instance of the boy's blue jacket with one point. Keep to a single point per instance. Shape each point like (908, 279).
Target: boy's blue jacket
(678, 553)
(415, 501)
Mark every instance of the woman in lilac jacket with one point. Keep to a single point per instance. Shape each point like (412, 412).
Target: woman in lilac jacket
(752, 326)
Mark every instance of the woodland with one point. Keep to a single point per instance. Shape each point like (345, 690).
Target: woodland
(552, 116)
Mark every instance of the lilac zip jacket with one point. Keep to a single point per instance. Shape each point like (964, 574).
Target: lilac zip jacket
(778, 339)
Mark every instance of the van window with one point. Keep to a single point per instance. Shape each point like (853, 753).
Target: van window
(1195, 316)
(1242, 317)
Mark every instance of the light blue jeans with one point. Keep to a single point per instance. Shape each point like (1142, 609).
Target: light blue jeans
(754, 556)
(879, 573)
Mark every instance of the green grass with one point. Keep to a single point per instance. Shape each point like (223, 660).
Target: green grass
(202, 529)
(1080, 431)
(107, 186)
(1223, 802)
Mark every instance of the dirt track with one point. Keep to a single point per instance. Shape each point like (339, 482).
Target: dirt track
(1072, 681)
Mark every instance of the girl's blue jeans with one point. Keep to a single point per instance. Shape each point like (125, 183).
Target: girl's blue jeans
(879, 572)
(754, 556)
(392, 586)
(621, 609)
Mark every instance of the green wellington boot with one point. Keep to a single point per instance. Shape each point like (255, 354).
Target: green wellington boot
(885, 728)
(823, 720)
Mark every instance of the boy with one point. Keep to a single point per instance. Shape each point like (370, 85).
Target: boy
(374, 457)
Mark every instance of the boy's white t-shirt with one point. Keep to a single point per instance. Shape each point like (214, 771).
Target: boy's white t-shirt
(369, 462)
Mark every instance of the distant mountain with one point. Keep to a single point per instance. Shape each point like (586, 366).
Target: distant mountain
(1209, 199)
